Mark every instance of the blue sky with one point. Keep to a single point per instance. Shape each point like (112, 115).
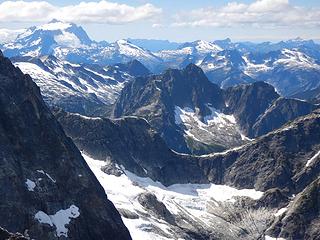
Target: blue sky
(175, 20)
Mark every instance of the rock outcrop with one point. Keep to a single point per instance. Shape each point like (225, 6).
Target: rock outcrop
(47, 189)
(301, 219)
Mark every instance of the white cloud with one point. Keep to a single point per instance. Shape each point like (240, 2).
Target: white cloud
(157, 25)
(84, 12)
(25, 11)
(261, 13)
(263, 6)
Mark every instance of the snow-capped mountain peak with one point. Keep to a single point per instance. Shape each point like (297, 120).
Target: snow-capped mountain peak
(127, 48)
(41, 40)
(207, 46)
(201, 46)
(293, 58)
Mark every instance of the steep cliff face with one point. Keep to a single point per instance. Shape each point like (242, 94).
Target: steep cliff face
(280, 112)
(248, 102)
(300, 220)
(47, 190)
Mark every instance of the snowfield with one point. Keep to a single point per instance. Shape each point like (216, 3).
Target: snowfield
(59, 80)
(214, 129)
(190, 201)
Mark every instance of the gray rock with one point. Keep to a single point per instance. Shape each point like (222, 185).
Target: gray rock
(157, 208)
(42, 170)
(301, 219)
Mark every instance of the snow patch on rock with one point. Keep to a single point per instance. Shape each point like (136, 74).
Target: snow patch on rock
(280, 211)
(44, 173)
(272, 238)
(216, 128)
(312, 159)
(60, 219)
(30, 185)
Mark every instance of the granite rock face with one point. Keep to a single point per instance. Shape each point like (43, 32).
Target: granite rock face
(43, 176)
(248, 102)
(280, 112)
(259, 109)
(309, 95)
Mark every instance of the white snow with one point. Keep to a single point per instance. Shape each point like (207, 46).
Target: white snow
(312, 159)
(53, 87)
(252, 69)
(224, 152)
(43, 218)
(140, 229)
(44, 173)
(296, 59)
(86, 117)
(198, 49)
(272, 238)
(191, 198)
(207, 47)
(60, 219)
(218, 117)
(30, 185)
(99, 74)
(290, 59)
(34, 70)
(245, 138)
(280, 211)
(216, 128)
(184, 115)
(127, 49)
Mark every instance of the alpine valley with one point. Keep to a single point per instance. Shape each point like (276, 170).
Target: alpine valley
(151, 139)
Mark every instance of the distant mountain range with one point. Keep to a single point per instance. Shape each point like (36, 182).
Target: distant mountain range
(290, 66)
